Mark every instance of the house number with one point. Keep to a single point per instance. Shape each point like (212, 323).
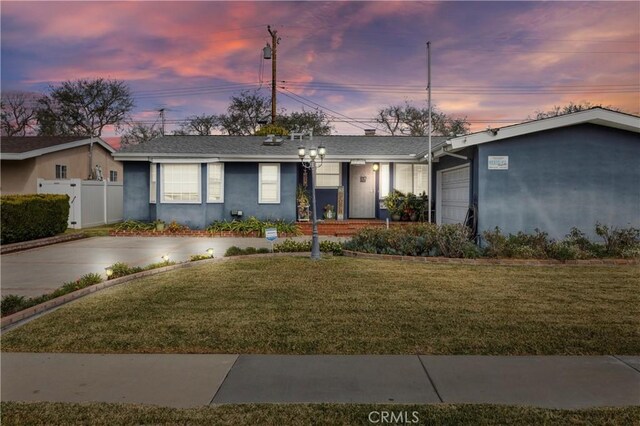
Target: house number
(363, 178)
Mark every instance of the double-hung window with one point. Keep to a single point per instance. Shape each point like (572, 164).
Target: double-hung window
(269, 183)
(113, 175)
(411, 178)
(215, 183)
(180, 183)
(153, 182)
(328, 175)
(61, 171)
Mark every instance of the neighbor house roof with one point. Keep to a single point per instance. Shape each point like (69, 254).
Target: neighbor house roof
(248, 148)
(23, 147)
(599, 116)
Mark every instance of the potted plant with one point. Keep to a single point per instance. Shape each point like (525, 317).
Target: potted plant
(328, 211)
(302, 198)
(393, 204)
(159, 225)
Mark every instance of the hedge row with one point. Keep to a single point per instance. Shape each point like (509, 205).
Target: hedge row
(32, 216)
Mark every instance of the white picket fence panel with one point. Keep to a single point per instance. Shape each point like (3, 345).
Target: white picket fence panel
(91, 202)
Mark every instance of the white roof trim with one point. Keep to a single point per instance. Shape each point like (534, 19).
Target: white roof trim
(184, 158)
(56, 148)
(597, 116)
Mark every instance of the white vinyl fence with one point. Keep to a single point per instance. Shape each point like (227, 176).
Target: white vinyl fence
(91, 202)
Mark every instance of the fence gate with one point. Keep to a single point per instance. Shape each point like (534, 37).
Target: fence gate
(91, 202)
(71, 187)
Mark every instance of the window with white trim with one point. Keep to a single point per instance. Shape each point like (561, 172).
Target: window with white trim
(328, 175)
(215, 183)
(113, 175)
(153, 182)
(384, 180)
(61, 171)
(411, 178)
(269, 183)
(180, 183)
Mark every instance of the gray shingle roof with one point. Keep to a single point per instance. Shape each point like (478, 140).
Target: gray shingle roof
(228, 146)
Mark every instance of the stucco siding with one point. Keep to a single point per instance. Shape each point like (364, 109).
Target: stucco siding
(136, 191)
(561, 178)
(18, 176)
(240, 193)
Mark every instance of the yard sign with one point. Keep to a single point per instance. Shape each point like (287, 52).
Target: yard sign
(271, 234)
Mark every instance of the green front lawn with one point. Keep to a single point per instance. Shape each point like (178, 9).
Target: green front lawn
(292, 305)
(48, 413)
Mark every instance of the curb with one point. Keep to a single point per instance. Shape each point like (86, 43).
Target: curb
(15, 318)
(503, 262)
(26, 245)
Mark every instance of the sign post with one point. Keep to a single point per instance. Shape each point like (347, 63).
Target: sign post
(271, 234)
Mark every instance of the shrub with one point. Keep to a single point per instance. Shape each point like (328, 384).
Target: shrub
(196, 257)
(452, 239)
(156, 265)
(175, 227)
(254, 225)
(234, 251)
(520, 245)
(28, 217)
(120, 269)
(411, 240)
(12, 303)
(263, 250)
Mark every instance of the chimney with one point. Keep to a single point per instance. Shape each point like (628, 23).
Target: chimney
(369, 132)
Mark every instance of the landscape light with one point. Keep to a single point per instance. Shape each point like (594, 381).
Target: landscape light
(108, 271)
(210, 252)
(165, 257)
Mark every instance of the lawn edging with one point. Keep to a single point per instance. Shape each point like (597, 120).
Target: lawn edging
(17, 317)
(493, 261)
(42, 308)
(40, 242)
(193, 233)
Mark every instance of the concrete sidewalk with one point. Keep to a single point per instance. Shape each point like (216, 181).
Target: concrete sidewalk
(196, 380)
(41, 270)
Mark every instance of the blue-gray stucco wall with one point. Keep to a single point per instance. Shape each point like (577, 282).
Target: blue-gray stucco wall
(240, 193)
(561, 178)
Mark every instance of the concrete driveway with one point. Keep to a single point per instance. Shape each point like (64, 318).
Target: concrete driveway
(42, 270)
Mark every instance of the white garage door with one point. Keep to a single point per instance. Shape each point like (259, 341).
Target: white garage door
(453, 195)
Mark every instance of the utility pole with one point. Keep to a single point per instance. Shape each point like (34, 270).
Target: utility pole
(430, 130)
(274, 42)
(161, 110)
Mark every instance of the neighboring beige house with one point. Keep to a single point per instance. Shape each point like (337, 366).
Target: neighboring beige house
(25, 159)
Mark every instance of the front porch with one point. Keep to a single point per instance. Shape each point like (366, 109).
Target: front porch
(345, 228)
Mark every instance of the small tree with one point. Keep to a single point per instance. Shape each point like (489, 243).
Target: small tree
(410, 120)
(305, 122)
(84, 107)
(245, 113)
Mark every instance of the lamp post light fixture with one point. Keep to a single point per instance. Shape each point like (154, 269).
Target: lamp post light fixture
(210, 252)
(313, 162)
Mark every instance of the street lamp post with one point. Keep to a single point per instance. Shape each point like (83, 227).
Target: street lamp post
(312, 164)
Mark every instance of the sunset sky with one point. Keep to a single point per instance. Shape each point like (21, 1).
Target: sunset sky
(494, 62)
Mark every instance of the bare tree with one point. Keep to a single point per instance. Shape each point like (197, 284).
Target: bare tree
(139, 133)
(305, 122)
(18, 117)
(199, 125)
(570, 108)
(392, 118)
(84, 107)
(410, 120)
